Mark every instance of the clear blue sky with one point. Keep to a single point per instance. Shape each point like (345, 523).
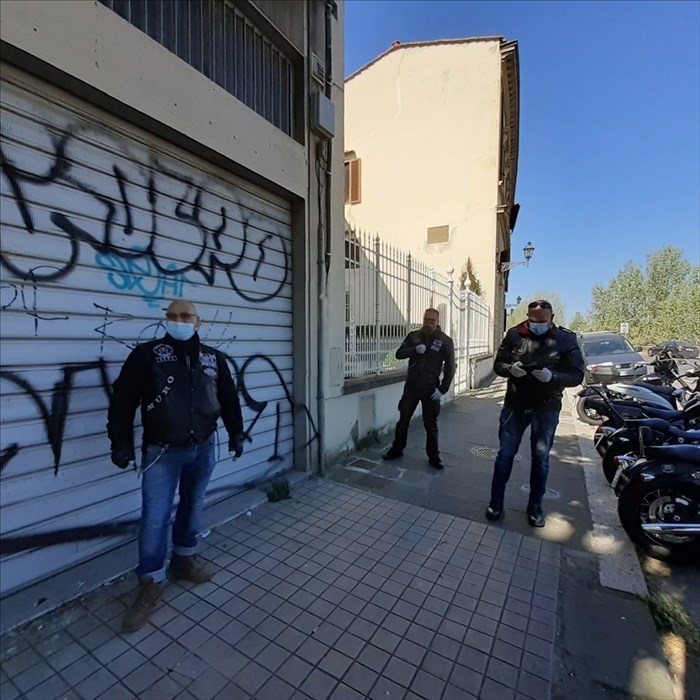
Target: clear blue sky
(610, 125)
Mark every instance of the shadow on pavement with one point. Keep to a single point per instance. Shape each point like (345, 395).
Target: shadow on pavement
(468, 444)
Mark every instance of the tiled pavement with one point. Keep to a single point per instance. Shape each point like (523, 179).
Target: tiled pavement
(337, 593)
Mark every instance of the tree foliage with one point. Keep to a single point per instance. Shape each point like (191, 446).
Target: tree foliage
(519, 313)
(660, 301)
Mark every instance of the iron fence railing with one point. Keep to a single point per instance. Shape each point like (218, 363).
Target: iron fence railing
(386, 292)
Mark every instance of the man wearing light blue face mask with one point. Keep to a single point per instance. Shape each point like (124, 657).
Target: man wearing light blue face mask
(540, 360)
(183, 388)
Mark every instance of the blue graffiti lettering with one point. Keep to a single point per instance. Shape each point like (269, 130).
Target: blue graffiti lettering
(141, 276)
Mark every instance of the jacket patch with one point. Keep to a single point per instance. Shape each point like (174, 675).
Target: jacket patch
(437, 345)
(208, 362)
(164, 353)
(163, 393)
(207, 359)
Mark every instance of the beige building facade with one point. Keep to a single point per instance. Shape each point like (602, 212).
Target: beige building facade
(431, 152)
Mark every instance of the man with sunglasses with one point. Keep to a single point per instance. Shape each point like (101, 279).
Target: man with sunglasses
(182, 387)
(540, 360)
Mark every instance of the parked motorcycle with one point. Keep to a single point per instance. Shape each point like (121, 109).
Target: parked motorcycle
(655, 391)
(659, 505)
(619, 434)
(627, 445)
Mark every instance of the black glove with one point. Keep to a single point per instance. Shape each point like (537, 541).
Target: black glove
(123, 457)
(235, 444)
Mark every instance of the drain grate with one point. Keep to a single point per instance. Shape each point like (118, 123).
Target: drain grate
(489, 453)
(549, 493)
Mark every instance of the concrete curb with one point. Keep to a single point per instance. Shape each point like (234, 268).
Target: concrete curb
(619, 566)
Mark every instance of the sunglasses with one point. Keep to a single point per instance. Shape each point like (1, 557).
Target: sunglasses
(541, 304)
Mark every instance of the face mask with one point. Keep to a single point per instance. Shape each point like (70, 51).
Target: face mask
(538, 328)
(180, 331)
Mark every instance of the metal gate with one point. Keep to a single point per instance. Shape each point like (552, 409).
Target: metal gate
(102, 225)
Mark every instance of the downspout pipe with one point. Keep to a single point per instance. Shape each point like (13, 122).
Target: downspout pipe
(324, 248)
(331, 11)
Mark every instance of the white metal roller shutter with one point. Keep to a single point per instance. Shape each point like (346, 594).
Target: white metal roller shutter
(102, 224)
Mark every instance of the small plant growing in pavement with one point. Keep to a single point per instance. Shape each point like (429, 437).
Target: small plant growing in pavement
(278, 491)
(671, 617)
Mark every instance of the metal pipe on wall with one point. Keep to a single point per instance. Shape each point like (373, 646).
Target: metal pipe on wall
(324, 245)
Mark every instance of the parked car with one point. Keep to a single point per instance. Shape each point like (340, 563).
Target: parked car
(676, 348)
(609, 357)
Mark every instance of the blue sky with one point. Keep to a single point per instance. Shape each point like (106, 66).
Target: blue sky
(609, 136)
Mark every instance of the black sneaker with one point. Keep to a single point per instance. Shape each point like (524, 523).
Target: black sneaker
(494, 513)
(435, 462)
(391, 453)
(535, 517)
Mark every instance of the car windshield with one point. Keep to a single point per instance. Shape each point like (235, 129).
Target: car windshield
(613, 346)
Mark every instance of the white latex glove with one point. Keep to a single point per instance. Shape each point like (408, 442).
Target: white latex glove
(437, 395)
(420, 349)
(516, 369)
(543, 375)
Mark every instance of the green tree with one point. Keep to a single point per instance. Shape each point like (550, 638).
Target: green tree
(579, 322)
(519, 313)
(660, 301)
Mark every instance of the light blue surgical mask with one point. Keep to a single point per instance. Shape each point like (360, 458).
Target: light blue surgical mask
(538, 328)
(180, 331)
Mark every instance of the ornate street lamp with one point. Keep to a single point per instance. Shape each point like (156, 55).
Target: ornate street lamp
(512, 307)
(528, 252)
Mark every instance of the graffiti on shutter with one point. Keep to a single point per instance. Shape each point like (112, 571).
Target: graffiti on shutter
(102, 226)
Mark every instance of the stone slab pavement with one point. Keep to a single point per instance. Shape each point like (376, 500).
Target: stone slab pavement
(392, 586)
(337, 593)
(589, 617)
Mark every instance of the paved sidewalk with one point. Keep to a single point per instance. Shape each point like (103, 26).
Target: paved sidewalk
(633, 664)
(337, 593)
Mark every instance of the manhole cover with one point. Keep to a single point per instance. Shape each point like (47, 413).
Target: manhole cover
(549, 493)
(489, 453)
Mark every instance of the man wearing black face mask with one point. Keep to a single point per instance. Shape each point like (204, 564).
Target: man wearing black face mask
(427, 350)
(539, 359)
(183, 387)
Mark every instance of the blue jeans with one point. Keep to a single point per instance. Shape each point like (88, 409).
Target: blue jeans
(512, 425)
(190, 468)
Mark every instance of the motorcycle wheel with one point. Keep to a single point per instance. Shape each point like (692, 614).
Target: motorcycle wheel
(609, 466)
(587, 415)
(662, 500)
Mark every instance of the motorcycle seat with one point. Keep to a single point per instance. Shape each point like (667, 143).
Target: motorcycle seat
(684, 453)
(663, 390)
(690, 435)
(653, 423)
(669, 415)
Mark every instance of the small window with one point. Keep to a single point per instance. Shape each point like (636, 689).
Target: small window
(353, 176)
(439, 234)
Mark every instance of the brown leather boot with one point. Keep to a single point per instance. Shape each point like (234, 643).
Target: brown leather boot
(140, 611)
(187, 569)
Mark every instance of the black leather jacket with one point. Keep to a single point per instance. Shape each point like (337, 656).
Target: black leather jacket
(182, 387)
(424, 370)
(557, 350)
